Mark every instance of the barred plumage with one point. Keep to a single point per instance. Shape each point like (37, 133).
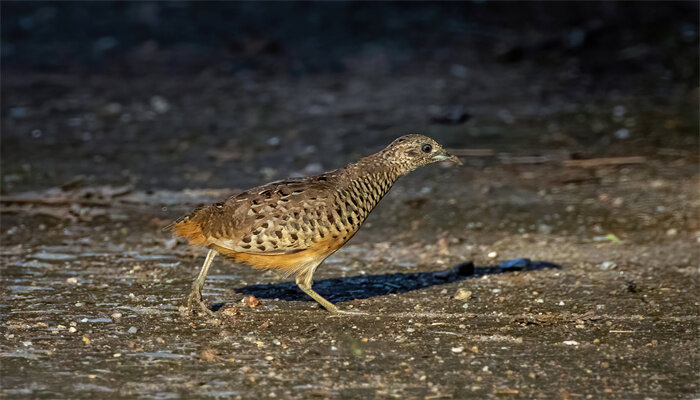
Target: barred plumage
(293, 225)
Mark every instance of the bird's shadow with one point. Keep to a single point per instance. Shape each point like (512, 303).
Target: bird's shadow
(366, 286)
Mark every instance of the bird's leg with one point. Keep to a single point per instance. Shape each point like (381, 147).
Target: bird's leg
(304, 281)
(195, 297)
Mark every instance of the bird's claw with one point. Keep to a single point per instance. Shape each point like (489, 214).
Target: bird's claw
(195, 301)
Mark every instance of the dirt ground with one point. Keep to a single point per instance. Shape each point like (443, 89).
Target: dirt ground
(94, 165)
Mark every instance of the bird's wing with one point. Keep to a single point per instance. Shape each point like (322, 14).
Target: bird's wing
(279, 218)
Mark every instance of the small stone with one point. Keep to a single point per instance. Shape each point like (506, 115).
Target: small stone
(112, 109)
(544, 228)
(622, 134)
(231, 311)
(208, 355)
(457, 349)
(606, 265)
(251, 301)
(116, 315)
(672, 232)
(571, 343)
(117, 355)
(72, 281)
(160, 104)
(619, 111)
(86, 340)
(72, 330)
(133, 329)
(19, 112)
(463, 294)
(492, 254)
(410, 330)
(459, 71)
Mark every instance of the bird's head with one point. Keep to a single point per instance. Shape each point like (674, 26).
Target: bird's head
(409, 152)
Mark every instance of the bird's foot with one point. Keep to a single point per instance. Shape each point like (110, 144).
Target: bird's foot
(195, 302)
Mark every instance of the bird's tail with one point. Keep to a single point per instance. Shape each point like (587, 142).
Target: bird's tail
(188, 227)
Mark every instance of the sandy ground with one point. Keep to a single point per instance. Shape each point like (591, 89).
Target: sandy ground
(94, 165)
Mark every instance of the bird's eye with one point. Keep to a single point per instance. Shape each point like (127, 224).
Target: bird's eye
(427, 148)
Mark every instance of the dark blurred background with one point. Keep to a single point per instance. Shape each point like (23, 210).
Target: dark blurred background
(182, 94)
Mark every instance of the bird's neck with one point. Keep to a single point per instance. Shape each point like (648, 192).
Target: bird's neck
(376, 167)
(368, 180)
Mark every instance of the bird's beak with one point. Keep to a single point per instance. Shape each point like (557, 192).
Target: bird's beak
(445, 156)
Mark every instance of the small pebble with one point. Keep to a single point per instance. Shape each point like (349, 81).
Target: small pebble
(457, 349)
(622, 133)
(606, 265)
(463, 294)
(116, 315)
(117, 355)
(672, 232)
(251, 301)
(493, 254)
(410, 330)
(571, 343)
(72, 330)
(133, 329)
(160, 104)
(72, 281)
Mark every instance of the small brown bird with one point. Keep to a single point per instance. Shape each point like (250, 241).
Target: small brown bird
(293, 225)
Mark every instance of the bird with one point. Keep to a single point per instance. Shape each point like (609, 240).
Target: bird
(293, 225)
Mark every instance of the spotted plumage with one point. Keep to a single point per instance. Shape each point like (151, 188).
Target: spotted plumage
(293, 225)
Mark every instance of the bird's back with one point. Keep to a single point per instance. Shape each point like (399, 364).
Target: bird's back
(285, 224)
